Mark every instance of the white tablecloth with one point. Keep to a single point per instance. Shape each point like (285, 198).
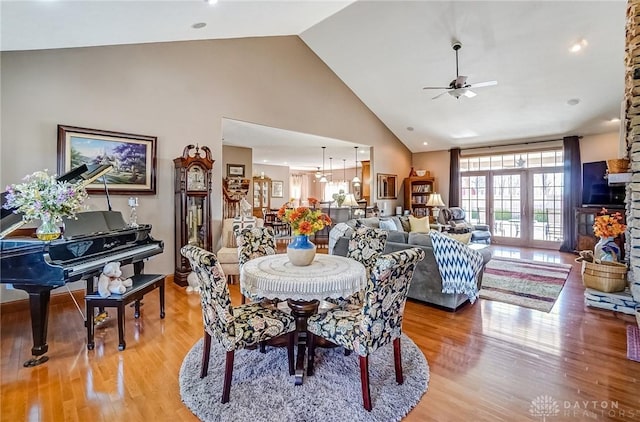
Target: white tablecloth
(274, 277)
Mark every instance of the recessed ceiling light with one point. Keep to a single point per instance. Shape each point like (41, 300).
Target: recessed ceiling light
(410, 128)
(578, 46)
(425, 143)
(198, 25)
(614, 120)
(265, 161)
(573, 101)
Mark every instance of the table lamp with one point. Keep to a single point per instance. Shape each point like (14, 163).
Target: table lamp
(350, 201)
(435, 201)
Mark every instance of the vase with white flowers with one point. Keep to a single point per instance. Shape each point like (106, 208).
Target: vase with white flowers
(42, 197)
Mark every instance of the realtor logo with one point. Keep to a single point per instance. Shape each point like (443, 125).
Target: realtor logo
(544, 406)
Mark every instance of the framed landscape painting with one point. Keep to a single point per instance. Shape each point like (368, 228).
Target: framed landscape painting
(133, 158)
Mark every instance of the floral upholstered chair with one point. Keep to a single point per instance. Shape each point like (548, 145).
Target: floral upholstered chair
(365, 246)
(233, 327)
(254, 242)
(379, 320)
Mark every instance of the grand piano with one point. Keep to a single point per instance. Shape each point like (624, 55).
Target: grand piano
(87, 244)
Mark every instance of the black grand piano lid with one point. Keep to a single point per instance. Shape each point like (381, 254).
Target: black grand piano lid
(87, 173)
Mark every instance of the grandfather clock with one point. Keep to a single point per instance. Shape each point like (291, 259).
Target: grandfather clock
(192, 205)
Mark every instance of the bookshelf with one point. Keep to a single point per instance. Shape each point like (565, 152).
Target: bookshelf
(417, 190)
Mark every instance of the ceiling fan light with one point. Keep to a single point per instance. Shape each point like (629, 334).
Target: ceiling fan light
(469, 93)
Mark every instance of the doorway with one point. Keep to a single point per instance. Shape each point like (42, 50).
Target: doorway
(518, 196)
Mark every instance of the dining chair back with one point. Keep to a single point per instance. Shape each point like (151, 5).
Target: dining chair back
(365, 246)
(253, 243)
(233, 327)
(378, 322)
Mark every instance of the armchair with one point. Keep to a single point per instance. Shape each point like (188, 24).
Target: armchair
(456, 219)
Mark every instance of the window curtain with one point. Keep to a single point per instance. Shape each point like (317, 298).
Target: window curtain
(571, 196)
(454, 178)
(295, 183)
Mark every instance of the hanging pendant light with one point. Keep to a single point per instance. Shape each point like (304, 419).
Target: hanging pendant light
(323, 178)
(318, 173)
(331, 168)
(344, 171)
(356, 179)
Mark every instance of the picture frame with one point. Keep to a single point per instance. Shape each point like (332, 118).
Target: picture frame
(277, 188)
(235, 170)
(387, 186)
(133, 158)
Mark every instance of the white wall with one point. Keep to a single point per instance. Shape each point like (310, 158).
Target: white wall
(179, 92)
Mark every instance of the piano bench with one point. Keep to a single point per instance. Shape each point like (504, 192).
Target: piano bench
(142, 284)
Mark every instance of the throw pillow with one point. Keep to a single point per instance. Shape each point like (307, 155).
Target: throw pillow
(388, 225)
(419, 239)
(369, 222)
(404, 221)
(398, 223)
(419, 224)
(461, 237)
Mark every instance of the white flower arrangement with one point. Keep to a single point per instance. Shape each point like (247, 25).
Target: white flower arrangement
(42, 197)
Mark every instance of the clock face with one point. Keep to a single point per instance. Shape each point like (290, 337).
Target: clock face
(195, 178)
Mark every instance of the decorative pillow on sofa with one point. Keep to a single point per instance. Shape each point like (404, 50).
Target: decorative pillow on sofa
(369, 222)
(419, 224)
(404, 222)
(388, 225)
(460, 237)
(419, 239)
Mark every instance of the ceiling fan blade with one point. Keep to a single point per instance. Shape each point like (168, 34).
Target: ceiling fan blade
(441, 94)
(483, 84)
(436, 87)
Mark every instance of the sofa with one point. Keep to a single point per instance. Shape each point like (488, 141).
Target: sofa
(426, 285)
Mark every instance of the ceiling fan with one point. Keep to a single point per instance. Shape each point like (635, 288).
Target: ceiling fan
(459, 86)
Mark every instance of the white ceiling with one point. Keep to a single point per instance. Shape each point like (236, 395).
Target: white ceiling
(386, 52)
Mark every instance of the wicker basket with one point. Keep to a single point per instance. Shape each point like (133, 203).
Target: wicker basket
(620, 165)
(606, 277)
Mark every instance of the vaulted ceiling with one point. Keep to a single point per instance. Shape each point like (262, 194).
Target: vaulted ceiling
(387, 51)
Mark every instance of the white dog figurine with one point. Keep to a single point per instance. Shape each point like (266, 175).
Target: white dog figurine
(110, 280)
(194, 283)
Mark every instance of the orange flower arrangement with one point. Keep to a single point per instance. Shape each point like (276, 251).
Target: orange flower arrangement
(304, 220)
(608, 225)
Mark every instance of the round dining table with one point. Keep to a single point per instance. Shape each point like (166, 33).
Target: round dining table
(329, 276)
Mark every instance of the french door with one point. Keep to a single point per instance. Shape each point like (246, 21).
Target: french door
(522, 207)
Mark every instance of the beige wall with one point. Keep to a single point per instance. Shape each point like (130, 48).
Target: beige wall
(592, 148)
(275, 173)
(179, 92)
(437, 163)
(599, 147)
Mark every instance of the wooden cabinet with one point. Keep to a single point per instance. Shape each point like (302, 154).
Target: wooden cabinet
(366, 181)
(416, 194)
(192, 201)
(584, 219)
(261, 195)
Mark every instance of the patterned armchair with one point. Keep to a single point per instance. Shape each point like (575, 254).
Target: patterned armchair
(378, 322)
(254, 242)
(365, 246)
(233, 327)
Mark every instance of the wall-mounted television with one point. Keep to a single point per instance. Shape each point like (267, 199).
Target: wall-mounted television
(596, 191)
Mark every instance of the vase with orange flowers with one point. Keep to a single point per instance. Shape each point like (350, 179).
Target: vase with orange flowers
(304, 221)
(607, 227)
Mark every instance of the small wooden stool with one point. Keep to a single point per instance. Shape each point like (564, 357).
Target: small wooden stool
(142, 284)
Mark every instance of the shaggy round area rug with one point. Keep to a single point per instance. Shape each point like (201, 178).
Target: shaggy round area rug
(263, 390)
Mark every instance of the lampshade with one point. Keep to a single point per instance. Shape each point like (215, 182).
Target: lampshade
(435, 200)
(350, 201)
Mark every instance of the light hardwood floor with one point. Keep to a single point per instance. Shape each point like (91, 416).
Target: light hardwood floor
(488, 362)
